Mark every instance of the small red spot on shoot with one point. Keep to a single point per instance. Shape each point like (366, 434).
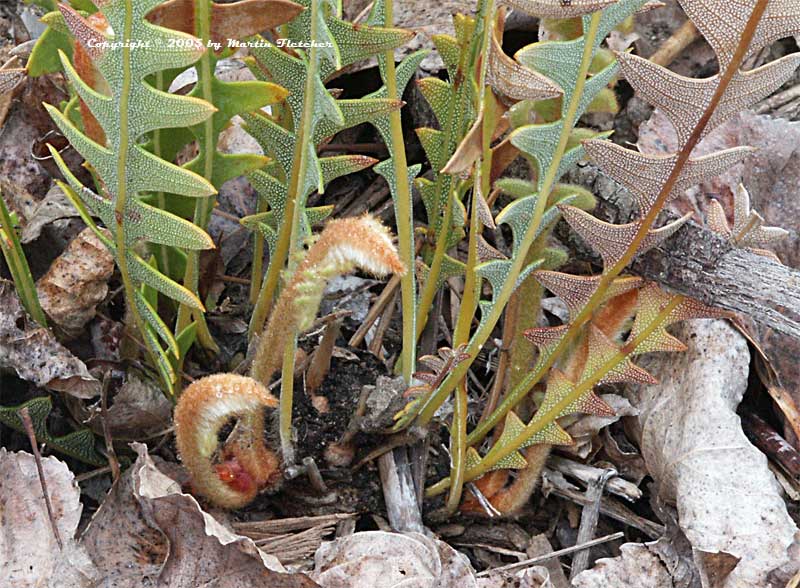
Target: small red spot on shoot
(232, 474)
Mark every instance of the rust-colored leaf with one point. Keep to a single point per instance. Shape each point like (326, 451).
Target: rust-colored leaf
(228, 21)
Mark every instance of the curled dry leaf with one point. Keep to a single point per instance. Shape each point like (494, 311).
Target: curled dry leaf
(586, 427)
(35, 355)
(387, 560)
(76, 283)
(201, 550)
(169, 541)
(31, 554)
(139, 411)
(55, 206)
(637, 566)
(693, 444)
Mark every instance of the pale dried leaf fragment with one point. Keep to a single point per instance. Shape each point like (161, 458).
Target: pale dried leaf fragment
(55, 206)
(31, 555)
(512, 79)
(35, 355)
(636, 566)
(387, 560)
(693, 444)
(468, 151)
(533, 577)
(76, 283)
(748, 228)
(584, 430)
(201, 551)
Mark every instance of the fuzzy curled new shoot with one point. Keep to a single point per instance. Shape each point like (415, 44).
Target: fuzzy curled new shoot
(232, 473)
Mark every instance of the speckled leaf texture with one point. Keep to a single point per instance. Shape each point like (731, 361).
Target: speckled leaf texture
(125, 169)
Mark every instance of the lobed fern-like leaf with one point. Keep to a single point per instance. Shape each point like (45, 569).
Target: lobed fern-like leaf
(216, 25)
(712, 101)
(126, 170)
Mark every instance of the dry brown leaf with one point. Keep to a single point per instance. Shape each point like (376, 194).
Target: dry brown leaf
(228, 21)
(126, 550)
(586, 427)
(694, 447)
(635, 567)
(148, 533)
(55, 206)
(35, 355)
(468, 150)
(140, 410)
(386, 560)
(201, 550)
(76, 283)
(31, 555)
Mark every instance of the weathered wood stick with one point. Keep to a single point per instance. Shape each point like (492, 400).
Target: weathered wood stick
(699, 263)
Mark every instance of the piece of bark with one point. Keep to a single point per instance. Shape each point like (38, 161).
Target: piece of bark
(698, 263)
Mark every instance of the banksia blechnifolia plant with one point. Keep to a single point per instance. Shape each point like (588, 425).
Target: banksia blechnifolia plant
(232, 475)
(574, 357)
(345, 245)
(127, 113)
(310, 115)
